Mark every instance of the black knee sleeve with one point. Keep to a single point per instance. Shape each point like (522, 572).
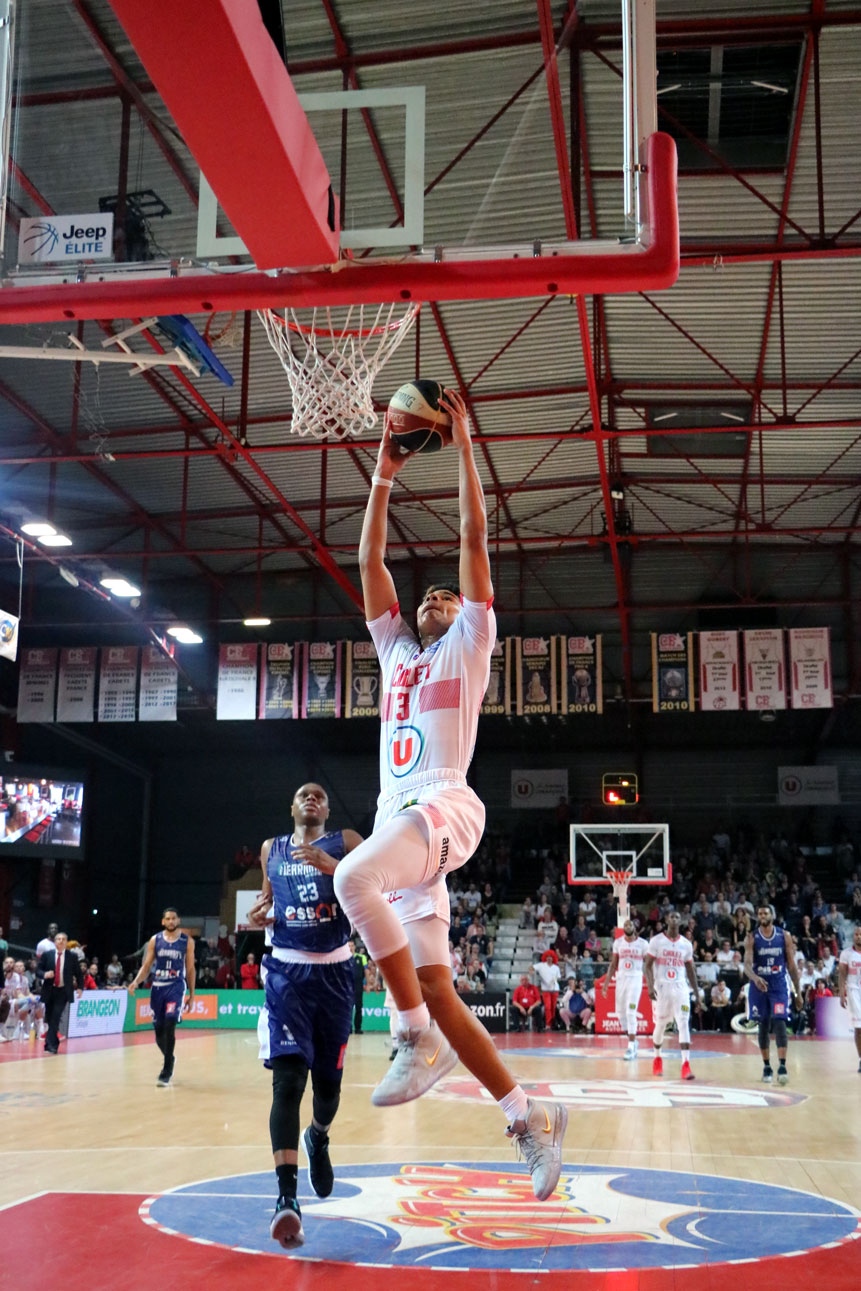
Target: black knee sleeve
(289, 1078)
(763, 1035)
(327, 1098)
(780, 1032)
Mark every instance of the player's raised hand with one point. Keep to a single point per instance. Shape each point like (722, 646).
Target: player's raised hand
(390, 458)
(260, 913)
(455, 405)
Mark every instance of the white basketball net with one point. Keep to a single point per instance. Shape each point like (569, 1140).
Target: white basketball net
(331, 363)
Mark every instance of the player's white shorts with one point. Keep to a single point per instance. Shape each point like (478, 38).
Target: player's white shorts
(673, 1005)
(628, 992)
(454, 819)
(853, 1003)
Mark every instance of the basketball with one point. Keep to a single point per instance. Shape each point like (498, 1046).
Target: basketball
(417, 422)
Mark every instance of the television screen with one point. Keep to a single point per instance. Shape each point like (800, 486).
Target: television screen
(41, 812)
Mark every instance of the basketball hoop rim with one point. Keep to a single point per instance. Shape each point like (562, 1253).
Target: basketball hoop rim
(360, 333)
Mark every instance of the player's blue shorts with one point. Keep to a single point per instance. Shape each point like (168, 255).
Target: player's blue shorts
(765, 1006)
(166, 1003)
(310, 1008)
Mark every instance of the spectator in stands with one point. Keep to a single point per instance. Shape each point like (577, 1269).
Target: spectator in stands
(720, 1006)
(578, 1007)
(708, 942)
(205, 977)
(579, 934)
(808, 941)
(605, 915)
(4, 945)
(546, 973)
(90, 978)
(704, 919)
(249, 974)
(526, 1007)
(827, 942)
(707, 972)
(818, 906)
(588, 907)
(547, 925)
(562, 945)
(742, 926)
(722, 911)
(724, 953)
(488, 900)
(114, 974)
(742, 903)
(527, 914)
(587, 969)
(47, 942)
(225, 978)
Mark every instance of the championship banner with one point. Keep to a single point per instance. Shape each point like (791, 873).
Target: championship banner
(98, 1013)
(362, 682)
(810, 667)
(581, 674)
(321, 678)
(764, 668)
(118, 681)
(497, 697)
(536, 675)
(37, 683)
(672, 672)
(720, 680)
(8, 635)
(76, 693)
(540, 788)
(159, 678)
(237, 683)
(279, 691)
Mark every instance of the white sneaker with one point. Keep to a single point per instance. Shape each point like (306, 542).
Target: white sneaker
(423, 1057)
(630, 1053)
(539, 1143)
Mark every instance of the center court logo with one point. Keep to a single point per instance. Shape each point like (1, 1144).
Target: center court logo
(599, 1094)
(459, 1216)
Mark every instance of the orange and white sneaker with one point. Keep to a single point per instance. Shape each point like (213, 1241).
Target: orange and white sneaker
(687, 1074)
(423, 1057)
(657, 1065)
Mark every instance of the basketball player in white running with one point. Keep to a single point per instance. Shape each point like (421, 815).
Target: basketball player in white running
(849, 978)
(626, 966)
(429, 821)
(670, 977)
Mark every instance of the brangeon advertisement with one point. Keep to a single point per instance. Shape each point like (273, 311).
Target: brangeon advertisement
(98, 1013)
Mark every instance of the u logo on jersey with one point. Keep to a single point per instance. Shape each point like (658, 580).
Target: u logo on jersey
(405, 750)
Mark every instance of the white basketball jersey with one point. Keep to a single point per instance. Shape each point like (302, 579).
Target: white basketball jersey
(851, 959)
(631, 955)
(670, 959)
(431, 698)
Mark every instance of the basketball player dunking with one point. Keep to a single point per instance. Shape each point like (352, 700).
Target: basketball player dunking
(429, 821)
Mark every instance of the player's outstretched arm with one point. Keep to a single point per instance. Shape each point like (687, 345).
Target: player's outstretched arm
(378, 587)
(474, 572)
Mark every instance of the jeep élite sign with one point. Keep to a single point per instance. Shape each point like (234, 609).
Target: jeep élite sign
(51, 239)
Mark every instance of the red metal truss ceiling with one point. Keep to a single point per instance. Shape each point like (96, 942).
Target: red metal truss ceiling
(561, 50)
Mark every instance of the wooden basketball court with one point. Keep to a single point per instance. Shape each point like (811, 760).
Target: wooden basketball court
(106, 1177)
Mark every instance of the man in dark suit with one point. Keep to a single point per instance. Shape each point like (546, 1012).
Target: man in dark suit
(63, 979)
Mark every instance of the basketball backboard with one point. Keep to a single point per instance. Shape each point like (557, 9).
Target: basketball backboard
(641, 849)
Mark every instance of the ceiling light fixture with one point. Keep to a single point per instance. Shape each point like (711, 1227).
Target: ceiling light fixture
(617, 491)
(71, 579)
(38, 529)
(185, 635)
(119, 586)
(55, 540)
(256, 623)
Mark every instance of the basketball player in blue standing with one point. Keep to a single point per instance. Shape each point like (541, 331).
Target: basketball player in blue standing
(309, 996)
(170, 955)
(768, 957)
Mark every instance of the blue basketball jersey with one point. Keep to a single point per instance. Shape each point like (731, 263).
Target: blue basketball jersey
(169, 964)
(307, 915)
(769, 954)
